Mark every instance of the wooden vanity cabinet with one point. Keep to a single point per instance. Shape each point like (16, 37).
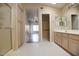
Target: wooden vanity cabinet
(65, 41)
(70, 42)
(61, 39)
(74, 44)
(57, 37)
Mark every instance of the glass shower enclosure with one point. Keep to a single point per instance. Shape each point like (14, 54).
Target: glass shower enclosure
(33, 24)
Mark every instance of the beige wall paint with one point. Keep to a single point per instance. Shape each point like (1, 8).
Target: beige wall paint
(14, 17)
(52, 12)
(5, 29)
(20, 25)
(67, 12)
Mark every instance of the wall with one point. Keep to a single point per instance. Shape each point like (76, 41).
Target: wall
(52, 12)
(20, 25)
(67, 12)
(15, 16)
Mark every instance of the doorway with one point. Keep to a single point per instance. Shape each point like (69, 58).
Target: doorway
(45, 27)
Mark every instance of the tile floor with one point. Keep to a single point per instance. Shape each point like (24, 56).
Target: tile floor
(44, 48)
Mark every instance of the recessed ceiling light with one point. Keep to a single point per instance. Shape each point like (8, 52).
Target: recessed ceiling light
(53, 3)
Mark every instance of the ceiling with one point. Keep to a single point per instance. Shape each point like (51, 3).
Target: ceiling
(57, 5)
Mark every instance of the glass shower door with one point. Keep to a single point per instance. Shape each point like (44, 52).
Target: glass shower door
(33, 22)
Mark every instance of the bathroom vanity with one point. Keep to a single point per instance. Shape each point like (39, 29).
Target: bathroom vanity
(66, 33)
(68, 40)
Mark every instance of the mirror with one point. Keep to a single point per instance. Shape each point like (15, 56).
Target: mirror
(74, 22)
(73, 17)
(60, 22)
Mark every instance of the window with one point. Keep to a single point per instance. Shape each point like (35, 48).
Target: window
(35, 37)
(35, 27)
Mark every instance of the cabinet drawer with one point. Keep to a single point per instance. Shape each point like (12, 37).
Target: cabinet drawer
(76, 37)
(57, 37)
(74, 47)
(57, 34)
(58, 40)
(5, 41)
(64, 35)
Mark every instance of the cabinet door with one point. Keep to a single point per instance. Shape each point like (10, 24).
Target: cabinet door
(5, 41)
(58, 38)
(74, 46)
(20, 26)
(65, 40)
(65, 43)
(55, 37)
(5, 29)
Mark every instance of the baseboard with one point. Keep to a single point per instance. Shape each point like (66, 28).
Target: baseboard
(9, 52)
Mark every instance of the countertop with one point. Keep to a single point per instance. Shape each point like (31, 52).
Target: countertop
(68, 31)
